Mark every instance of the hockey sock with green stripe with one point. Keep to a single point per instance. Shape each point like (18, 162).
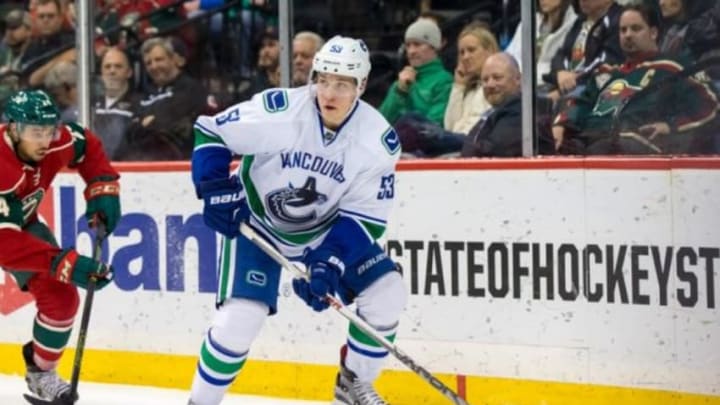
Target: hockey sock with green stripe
(365, 357)
(216, 370)
(49, 340)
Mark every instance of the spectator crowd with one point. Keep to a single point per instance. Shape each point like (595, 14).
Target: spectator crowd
(611, 77)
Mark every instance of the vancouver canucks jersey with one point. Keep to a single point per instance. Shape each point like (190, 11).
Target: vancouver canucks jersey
(300, 177)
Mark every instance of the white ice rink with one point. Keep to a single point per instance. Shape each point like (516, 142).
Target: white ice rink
(12, 388)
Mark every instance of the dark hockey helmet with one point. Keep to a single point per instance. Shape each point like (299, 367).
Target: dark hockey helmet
(32, 107)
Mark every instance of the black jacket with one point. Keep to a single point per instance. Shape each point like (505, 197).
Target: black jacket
(174, 109)
(42, 49)
(498, 134)
(113, 121)
(703, 33)
(603, 43)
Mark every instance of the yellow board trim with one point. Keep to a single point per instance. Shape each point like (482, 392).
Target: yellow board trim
(315, 382)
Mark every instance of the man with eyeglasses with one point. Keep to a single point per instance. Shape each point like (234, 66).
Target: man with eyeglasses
(35, 148)
(46, 49)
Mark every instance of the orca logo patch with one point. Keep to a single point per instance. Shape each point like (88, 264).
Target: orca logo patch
(295, 205)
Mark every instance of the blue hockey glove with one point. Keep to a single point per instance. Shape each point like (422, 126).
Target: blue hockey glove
(324, 279)
(225, 206)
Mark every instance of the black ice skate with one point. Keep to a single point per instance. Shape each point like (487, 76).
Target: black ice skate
(46, 386)
(350, 391)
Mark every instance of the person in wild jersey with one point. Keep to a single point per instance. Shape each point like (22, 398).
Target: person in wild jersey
(35, 148)
(317, 181)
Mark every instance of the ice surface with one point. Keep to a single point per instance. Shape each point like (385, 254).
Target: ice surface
(12, 388)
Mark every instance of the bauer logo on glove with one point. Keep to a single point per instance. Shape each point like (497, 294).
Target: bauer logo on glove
(225, 206)
(226, 198)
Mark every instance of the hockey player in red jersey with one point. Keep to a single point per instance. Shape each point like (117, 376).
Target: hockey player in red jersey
(35, 148)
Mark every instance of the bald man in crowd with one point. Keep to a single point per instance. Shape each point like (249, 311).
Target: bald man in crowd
(498, 133)
(116, 108)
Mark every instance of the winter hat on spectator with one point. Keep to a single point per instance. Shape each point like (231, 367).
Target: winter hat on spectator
(16, 18)
(424, 30)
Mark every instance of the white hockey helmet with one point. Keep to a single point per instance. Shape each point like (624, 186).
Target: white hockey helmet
(344, 56)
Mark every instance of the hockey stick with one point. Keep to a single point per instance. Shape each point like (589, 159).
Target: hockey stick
(82, 332)
(270, 250)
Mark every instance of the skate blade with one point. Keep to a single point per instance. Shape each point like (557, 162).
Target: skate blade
(37, 401)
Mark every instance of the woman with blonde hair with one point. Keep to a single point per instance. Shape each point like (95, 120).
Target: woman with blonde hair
(467, 102)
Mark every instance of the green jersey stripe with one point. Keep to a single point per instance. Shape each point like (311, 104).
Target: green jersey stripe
(225, 269)
(203, 138)
(300, 238)
(253, 198)
(375, 230)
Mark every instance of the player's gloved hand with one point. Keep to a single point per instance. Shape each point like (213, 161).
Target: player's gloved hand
(225, 205)
(70, 267)
(324, 274)
(103, 202)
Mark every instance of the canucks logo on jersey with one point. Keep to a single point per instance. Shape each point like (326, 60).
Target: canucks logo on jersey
(275, 100)
(294, 205)
(391, 141)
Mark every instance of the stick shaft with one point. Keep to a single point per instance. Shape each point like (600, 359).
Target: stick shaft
(85, 320)
(270, 250)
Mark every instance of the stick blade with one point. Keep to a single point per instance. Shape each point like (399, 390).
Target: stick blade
(37, 401)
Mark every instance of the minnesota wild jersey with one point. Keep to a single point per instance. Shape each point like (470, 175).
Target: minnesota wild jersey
(23, 185)
(614, 94)
(299, 176)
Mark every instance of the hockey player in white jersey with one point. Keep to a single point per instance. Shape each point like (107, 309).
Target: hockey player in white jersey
(317, 180)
